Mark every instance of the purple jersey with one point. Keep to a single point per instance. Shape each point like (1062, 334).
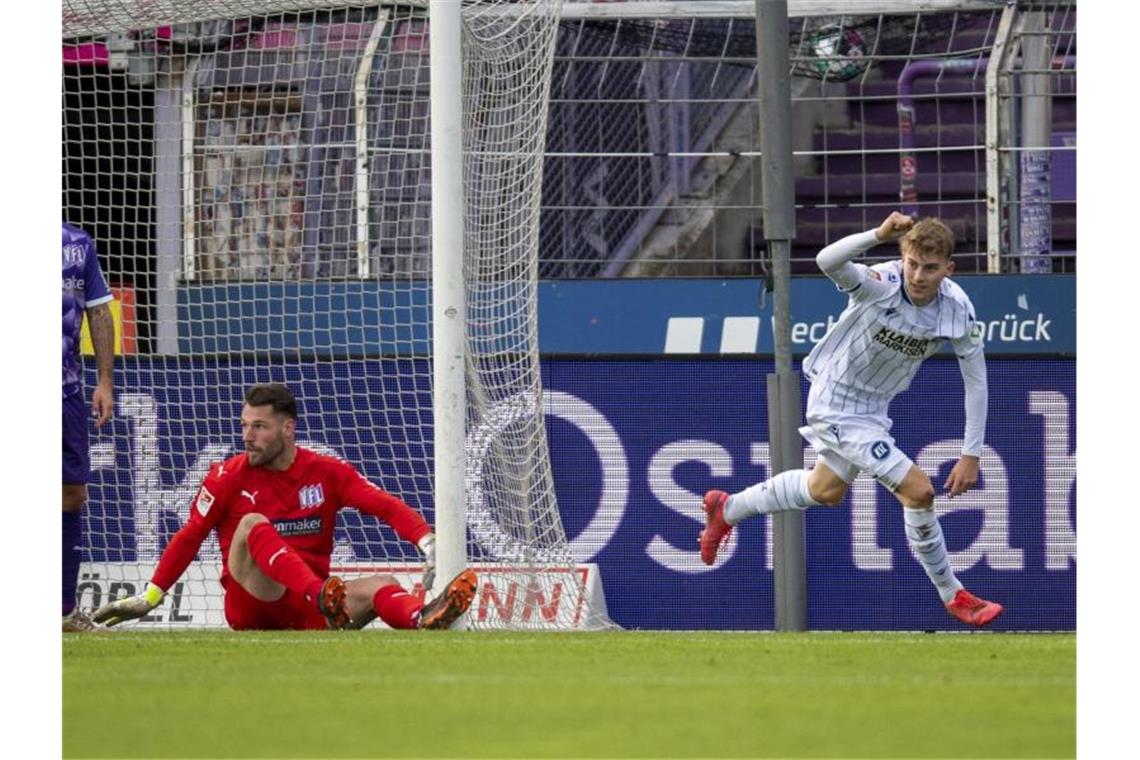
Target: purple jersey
(83, 286)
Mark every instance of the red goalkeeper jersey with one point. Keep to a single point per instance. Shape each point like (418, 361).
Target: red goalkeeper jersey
(301, 502)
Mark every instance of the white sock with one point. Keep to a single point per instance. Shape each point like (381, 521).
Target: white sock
(924, 534)
(782, 492)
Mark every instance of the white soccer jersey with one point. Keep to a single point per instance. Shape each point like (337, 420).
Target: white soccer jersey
(874, 350)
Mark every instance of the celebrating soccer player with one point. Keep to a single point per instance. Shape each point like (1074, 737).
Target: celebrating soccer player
(84, 291)
(898, 313)
(274, 508)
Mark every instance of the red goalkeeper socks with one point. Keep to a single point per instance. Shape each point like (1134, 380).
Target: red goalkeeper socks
(280, 562)
(396, 607)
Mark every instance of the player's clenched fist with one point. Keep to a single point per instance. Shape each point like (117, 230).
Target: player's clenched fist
(894, 226)
(130, 608)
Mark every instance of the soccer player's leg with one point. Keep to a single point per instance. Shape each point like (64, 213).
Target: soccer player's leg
(825, 484)
(245, 612)
(449, 606)
(76, 468)
(382, 596)
(266, 566)
(924, 534)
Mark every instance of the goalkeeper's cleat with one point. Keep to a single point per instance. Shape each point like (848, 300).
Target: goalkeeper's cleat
(445, 609)
(332, 600)
(78, 622)
(716, 528)
(972, 610)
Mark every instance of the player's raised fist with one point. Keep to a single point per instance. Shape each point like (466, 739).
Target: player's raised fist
(894, 226)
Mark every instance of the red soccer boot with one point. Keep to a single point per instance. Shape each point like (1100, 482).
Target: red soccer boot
(716, 529)
(971, 610)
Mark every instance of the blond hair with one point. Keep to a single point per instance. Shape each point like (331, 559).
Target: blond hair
(929, 237)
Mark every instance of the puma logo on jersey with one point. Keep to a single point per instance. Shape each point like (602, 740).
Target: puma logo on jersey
(251, 496)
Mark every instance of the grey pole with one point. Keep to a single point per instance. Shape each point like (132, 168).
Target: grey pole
(1035, 215)
(779, 192)
(168, 211)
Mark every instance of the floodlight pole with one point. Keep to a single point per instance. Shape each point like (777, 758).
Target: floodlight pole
(779, 192)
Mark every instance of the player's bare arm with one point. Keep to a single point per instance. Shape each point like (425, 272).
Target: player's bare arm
(894, 227)
(103, 339)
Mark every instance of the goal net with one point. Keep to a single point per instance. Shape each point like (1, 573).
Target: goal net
(257, 177)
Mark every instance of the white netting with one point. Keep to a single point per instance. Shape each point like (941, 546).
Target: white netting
(257, 179)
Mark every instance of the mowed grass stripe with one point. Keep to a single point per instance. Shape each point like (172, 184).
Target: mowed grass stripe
(615, 694)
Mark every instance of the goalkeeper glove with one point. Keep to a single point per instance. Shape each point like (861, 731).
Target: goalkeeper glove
(427, 546)
(130, 608)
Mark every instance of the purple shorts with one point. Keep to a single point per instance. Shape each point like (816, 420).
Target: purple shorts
(76, 457)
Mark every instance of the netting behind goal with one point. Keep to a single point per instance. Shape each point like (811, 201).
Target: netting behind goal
(256, 176)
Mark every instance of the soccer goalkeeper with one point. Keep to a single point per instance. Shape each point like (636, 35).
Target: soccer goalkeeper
(274, 508)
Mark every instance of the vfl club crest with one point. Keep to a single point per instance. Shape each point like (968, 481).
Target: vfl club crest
(311, 497)
(880, 449)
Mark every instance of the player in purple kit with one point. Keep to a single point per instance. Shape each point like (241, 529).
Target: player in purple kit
(84, 291)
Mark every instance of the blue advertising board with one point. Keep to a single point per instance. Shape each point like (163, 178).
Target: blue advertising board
(1023, 314)
(634, 443)
(677, 427)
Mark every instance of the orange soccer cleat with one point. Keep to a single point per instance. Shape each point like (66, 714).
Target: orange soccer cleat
(445, 609)
(972, 610)
(716, 529)
(331, 602)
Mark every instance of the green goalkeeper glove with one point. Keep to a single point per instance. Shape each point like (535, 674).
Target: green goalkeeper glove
(427, 546)
(130, 608)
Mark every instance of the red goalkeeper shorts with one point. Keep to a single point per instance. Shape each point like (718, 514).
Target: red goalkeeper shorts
(245, 612)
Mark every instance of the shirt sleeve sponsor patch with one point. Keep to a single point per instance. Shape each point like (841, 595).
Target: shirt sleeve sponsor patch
(203, 501)
(977, 332)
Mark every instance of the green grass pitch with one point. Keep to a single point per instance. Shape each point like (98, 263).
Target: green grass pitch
(612, 694)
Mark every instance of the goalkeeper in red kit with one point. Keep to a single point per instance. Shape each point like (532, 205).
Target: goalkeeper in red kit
(274, 508)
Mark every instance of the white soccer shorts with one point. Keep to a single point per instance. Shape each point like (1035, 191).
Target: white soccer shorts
(849, 445)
